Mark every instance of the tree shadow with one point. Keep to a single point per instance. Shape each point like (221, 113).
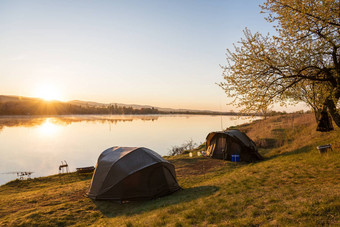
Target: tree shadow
(113, 209)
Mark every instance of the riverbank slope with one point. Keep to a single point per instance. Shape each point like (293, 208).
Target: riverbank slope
(294, 185)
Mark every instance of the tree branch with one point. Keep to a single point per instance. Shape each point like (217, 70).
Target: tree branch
(309, 14)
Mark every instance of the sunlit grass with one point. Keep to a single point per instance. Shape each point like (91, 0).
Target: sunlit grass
(294, 185)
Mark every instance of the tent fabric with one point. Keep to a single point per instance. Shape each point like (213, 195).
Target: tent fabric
(129, 173)
(224, 144)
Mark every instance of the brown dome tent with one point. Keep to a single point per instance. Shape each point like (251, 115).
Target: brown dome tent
(222, 145)
(132, 173)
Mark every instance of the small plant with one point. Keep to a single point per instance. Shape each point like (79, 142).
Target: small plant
(186, 146)
(176, 150)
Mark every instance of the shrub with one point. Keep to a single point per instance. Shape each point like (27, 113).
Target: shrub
(186, 146)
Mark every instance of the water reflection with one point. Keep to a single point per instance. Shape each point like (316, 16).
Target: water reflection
(30, 121)
(48, 128)
(39, 144)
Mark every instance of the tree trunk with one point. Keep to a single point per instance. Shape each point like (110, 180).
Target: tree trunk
(332, 110)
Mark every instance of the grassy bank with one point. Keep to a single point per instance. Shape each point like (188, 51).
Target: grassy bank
(294, 185)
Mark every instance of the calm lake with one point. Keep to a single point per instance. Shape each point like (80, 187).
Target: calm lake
(39, 144)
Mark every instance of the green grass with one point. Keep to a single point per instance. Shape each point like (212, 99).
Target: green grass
(294, 185)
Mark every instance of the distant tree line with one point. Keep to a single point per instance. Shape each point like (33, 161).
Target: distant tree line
(40, 107)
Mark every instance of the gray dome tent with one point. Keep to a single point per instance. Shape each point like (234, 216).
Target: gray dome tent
(132, 173)
(222, 145)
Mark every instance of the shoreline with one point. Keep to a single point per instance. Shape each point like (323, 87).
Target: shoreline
(293, 184)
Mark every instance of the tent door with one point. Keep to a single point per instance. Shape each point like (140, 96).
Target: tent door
(220, 147)
(157, 182)
(234, 149)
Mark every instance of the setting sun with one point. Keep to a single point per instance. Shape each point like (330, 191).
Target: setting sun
(48, 93)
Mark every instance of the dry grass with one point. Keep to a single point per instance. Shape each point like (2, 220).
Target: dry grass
(277, 131)
(294, 185)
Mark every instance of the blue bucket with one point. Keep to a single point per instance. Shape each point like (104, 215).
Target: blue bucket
(235, 158)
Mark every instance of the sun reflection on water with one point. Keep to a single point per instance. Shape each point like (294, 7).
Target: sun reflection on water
(48, 128)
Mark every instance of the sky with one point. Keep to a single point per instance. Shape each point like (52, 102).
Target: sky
(152, 52)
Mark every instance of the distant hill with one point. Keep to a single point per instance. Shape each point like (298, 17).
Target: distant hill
(13, 98)
(18, 105)
(136, 106)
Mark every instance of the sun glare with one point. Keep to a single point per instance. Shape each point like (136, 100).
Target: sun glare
(48, 93)
(48, 128)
